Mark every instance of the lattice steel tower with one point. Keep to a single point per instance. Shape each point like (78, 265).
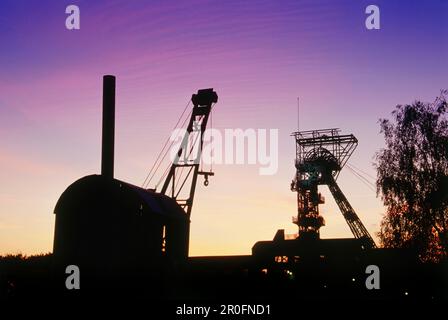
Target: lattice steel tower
(320, 156)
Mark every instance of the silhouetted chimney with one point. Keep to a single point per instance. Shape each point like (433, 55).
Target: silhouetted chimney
(107, 155)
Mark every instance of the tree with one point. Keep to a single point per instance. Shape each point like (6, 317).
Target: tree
(412, 178)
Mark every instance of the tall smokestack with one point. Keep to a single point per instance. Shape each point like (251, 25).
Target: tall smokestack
(107, 155)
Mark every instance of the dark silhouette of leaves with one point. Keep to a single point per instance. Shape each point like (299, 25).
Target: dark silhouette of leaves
(412, 178)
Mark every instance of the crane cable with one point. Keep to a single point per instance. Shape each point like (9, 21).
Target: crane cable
(362, 178)
(155, 166)
(146, 182)
(182, 170)
(191, 149)
(367, 174)
(187, 156)
(360, 174)
(164, 156)
(213, 142)
(196, 139)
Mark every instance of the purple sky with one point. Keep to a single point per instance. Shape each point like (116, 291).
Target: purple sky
(258, 55)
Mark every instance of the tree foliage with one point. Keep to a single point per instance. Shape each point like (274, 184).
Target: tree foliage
(412, 178)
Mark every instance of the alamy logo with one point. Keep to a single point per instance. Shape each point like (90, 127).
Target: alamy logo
(72, 281)
(73, 21)
(233, 146)
(373, 20)
(373, 280)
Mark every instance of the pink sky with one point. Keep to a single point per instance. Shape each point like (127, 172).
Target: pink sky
(258, 58)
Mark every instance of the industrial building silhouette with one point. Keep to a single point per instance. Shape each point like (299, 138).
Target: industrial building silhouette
(130, 238)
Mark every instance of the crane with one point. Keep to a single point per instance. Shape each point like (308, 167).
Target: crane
(182, 173)
(189, 153)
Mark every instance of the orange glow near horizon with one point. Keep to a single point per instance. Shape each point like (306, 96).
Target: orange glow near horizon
(257, 58)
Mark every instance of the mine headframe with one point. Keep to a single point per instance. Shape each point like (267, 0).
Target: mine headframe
(320, 156)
